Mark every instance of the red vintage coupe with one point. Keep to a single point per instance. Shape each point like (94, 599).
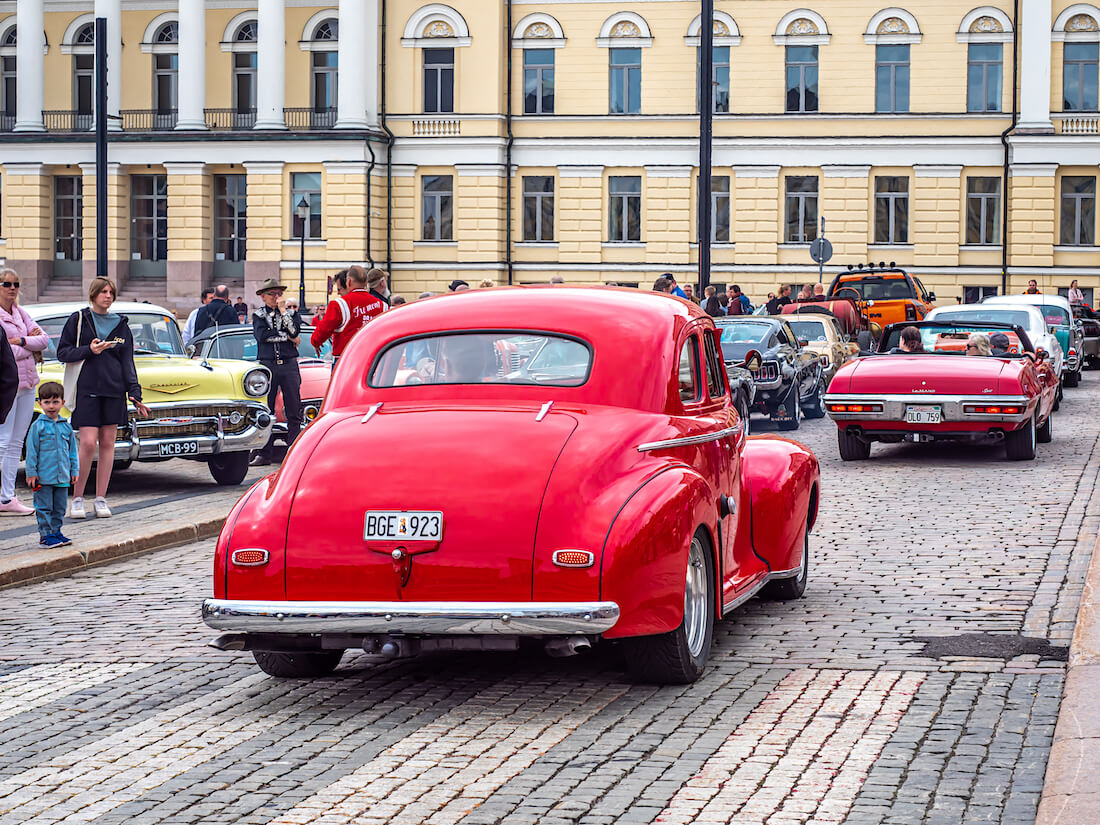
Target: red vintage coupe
(556, 463)
(950, 390)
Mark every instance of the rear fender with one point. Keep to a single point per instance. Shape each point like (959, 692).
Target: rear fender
(782, 480)
(260, 521)
(645, 554)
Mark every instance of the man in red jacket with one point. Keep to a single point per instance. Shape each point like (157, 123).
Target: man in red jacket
(347, 314)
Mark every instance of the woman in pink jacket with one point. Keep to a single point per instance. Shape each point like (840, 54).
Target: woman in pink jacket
(26, 338)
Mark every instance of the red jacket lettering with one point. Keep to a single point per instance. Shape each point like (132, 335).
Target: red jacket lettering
(345, 316)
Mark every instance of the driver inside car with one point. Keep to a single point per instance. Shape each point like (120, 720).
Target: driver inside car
(466, 359)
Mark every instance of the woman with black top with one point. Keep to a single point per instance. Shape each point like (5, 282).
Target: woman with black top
(102, 340)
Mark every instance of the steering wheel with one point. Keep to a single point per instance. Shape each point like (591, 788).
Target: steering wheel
(855, 292)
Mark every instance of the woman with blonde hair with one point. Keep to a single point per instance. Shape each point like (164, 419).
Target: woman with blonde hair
(978, 344)
(486, 284)
(27, 341)
(101, 342)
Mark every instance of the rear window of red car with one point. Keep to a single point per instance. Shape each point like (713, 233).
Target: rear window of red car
(484, 357)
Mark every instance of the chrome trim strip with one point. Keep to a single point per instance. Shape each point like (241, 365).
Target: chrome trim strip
(371, 411)
(432, 618)
(545, 409)
(689, 439)
(893, 406)
(755, 587)
(922, 398)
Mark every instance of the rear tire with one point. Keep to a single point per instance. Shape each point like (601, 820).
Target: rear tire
(679, 657)
(229, 469)
(1058, 397)
(1020, 444)
(787, 426)
(1072, 379)
(785, 590)
(297, 664)
(852, 447)
(815, 407)
(743, 411)
(1045, 432)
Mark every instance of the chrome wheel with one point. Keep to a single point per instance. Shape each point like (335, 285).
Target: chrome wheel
(695, 598)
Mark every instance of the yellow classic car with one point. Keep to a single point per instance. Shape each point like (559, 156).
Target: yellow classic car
(823, 336)
(207, 410)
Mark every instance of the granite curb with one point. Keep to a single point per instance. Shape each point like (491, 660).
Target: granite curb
(34, 565)
(1071, 789)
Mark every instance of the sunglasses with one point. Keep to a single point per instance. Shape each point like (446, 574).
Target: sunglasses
(10, 284)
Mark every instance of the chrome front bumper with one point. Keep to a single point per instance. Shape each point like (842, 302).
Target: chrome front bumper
(893, 407)
(134, 447)
(427, 618)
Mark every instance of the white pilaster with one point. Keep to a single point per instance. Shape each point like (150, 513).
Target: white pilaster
(271, 65)
(29, 78)
(357, 90)
(1034, 28)
(112, 10)
(192, 64)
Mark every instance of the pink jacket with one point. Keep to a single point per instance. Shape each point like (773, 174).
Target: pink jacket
(18, 324)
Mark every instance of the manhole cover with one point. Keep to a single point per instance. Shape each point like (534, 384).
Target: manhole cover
(990, 646)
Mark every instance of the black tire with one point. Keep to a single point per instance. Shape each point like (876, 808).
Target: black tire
(743, 410)
(297, 664)
(1044, 433)
(122, 465)
(785, 590)
(1072, 379)
(229, 469)
(1058, 397)
(1020, 444)
(852, 447)
(815, 407)
(679, 657)
(792, 398)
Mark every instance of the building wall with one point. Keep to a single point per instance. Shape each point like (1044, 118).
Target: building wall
(936, 146)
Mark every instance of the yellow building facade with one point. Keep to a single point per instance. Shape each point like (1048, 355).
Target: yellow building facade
(513, 141)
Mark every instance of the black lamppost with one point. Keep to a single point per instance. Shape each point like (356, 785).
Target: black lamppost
(706, 118)
(302, 211)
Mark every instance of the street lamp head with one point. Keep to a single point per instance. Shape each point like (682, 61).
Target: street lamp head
(302, 209)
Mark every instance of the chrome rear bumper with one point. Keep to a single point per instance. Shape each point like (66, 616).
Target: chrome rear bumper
(428, 618)
(893, 406)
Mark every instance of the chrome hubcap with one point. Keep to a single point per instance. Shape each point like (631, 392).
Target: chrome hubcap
(695, 598)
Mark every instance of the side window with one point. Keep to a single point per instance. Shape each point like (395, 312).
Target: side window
(716, 383)
(689, 371)
(921, 290)
(781, 337)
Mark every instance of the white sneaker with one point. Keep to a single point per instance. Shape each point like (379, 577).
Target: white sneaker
(14, 508)
(101, 508)
(76, 509)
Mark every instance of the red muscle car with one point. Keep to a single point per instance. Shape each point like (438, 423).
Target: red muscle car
(947, 392)
(557, 463)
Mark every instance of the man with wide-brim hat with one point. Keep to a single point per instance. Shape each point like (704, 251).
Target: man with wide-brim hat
(277, 349)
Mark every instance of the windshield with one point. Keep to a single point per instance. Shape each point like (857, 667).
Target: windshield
(242, 346)
(952, 338)
(877, 289)
(484, 358)
(744, 333)
(1055, 316)
(153, 333)
(998, 316)
(809, 330)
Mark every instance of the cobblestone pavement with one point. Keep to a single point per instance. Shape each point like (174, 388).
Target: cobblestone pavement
(917, 682)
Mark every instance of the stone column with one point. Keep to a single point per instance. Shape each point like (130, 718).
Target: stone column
(271, 65)
(112, 10)
(192, 65)
(29, 78)
(358, 65)
(1034, 32)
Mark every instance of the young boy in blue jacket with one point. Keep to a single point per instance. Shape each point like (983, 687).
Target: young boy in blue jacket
(52, 464)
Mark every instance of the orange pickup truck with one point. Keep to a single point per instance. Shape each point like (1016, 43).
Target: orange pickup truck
(884, 295)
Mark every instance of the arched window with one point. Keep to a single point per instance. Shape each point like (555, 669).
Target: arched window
(86, 36)
(246, 32)
(1078, 28)
(801, 32)
(326, 31)
(984, 30)
(244, 74)
(168, 33)
(9, 38)
(7, 79)
(165, 47)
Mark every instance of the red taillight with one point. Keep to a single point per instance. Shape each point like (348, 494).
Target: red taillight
(854, 408)
(910, 312)
(996, 409)
(250, 557)
(574, 558)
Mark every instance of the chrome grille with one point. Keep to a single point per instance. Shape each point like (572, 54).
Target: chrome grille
(204, 421)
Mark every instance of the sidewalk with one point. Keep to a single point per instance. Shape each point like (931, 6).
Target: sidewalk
(153, 507)
(1071, 789)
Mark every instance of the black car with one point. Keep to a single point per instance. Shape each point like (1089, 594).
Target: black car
(788, 380)
(1090, 329)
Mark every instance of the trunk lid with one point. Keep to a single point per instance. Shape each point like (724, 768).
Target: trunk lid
(484, 468)
(925, 375)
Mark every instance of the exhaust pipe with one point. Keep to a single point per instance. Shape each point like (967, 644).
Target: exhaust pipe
(997, 435)
(569, 646)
